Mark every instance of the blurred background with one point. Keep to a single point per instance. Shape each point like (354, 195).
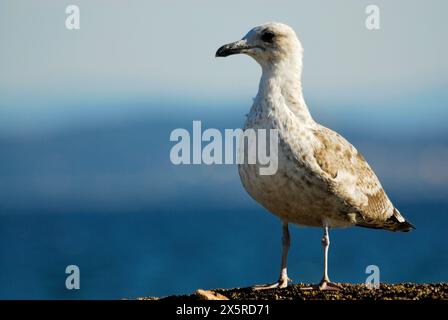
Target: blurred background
(85, 119)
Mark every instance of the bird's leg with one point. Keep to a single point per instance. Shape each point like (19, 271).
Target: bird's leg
(325, 283)
(283, 279)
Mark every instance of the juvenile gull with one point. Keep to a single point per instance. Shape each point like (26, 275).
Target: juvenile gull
(322, 180)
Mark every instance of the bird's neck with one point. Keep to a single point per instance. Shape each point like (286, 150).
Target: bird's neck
(280, 87)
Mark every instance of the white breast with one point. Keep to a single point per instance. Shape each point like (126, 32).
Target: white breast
(294, 193)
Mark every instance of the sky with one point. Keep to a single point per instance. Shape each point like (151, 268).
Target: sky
(148, 50)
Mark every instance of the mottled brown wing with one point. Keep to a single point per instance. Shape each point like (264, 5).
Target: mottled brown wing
(351, 178)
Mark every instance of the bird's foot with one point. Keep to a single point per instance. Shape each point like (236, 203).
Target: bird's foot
(328, 285)
(324, 285)
(281, 283)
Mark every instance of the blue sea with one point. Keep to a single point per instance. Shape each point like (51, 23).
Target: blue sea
(104, 196)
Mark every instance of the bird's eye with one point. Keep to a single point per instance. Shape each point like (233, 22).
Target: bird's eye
(268, 36)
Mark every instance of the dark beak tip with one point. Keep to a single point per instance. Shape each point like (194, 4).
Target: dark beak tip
(230, 49)
(221, 52)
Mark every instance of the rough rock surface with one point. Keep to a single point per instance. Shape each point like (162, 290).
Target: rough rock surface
(402, 291)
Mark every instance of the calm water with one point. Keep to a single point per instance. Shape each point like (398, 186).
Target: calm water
(105, 197)
(160, 252)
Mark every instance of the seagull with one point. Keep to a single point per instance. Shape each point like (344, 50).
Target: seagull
(322, 180)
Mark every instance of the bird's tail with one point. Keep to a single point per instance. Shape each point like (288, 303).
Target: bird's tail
(398, 223)
(404, 227)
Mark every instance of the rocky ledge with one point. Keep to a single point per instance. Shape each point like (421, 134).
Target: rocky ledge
(401, 291)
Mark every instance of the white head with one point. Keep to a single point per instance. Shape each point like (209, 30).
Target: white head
(271, 44)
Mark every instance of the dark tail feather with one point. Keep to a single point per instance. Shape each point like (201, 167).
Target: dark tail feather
(400, 223)
(405, 226)
(395, 223)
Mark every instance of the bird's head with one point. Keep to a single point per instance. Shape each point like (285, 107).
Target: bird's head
(268, 44)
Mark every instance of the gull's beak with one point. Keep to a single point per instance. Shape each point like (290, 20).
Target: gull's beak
(236, 47)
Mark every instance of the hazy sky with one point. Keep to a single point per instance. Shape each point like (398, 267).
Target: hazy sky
(152, 51)
(157, 48)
